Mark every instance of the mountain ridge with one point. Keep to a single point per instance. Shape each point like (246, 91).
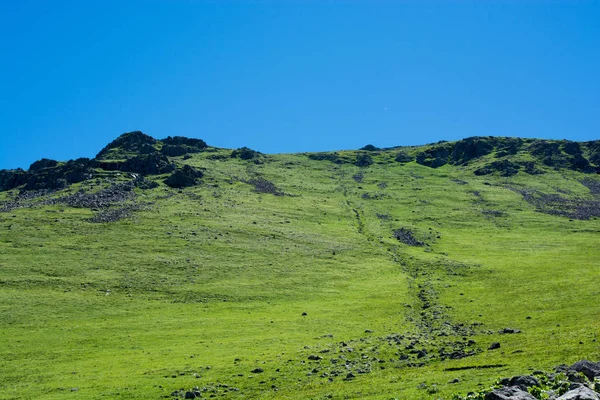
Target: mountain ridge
(136, 152)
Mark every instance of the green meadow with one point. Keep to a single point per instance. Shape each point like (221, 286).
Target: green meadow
(303, 294)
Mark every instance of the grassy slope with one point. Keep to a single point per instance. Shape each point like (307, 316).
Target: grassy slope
(211, 282)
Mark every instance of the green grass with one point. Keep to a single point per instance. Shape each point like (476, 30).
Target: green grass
(205, 284)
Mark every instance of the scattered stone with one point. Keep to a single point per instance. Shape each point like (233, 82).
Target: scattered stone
(494, 346)
(406, 236)
(257, 370)
(509, 331)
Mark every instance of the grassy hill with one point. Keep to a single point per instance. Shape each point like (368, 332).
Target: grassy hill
(160, 266)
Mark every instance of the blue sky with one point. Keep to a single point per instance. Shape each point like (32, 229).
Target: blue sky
(291, 76)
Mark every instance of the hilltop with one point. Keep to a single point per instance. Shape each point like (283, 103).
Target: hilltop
(170, 268)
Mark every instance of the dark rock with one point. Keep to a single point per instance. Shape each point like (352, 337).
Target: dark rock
(245, 153)
(257, 370)
(509, 331)
(128, 145)
(43, 163)
(189, 395)
(315, 357)
(350, 375)
(494, 346)
(524, 382)
(184, 141)
(262, 185)
(145, 164)
(434, 157)
(184, 177)
(470, 148)
(588, 368)
(581, 393)
(509, 393)
(405, 236)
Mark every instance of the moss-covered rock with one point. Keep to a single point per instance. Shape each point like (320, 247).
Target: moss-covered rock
(184, 177)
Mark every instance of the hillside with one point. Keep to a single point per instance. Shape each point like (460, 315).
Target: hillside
(161, 266)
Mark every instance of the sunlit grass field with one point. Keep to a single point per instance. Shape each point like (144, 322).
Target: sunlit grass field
(206, 284)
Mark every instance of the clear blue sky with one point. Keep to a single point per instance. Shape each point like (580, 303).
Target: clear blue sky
(290, 76)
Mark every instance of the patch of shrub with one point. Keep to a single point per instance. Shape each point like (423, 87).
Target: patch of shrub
(245, 153)
(363, 160)
(402, 157)
(370, 147)
(333, 157)
(505, 167)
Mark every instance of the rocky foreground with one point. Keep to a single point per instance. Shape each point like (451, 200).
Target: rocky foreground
(580, 381)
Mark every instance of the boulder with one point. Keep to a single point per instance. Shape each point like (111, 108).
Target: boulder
(581, 393)
(147, 164)
(184, 177)
(524, 382)
(509, 393)
(588, 368)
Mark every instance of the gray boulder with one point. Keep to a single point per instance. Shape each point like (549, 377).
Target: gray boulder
(509, 393)
(588, 368)
(581, 393)
(524, 382)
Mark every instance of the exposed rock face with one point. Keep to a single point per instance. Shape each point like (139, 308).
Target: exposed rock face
(184, 177)
(435, 157)
(43, 163)
(470, 148)
(583, 157)
(128, 145)
(148, 164)
(178, 146)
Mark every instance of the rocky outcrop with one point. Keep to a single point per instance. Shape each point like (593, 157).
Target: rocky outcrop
(576, 382)
(245, 153)
(558, 154)
(178, 146)
(128, 145)
(43, 163)
(184, 177)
